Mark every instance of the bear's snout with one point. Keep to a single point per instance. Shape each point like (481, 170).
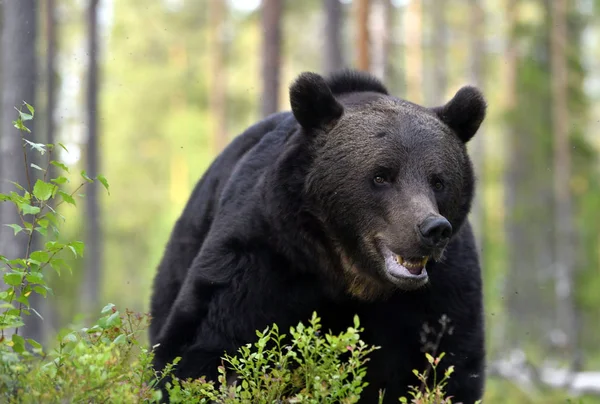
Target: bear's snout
(435, 231)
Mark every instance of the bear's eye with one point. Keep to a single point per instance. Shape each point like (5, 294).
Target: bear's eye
(437, 184)
(379, 180)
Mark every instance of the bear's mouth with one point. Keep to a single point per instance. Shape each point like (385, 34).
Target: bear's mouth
(405, 272)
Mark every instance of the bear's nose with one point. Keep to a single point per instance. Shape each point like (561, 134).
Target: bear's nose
(435, 230)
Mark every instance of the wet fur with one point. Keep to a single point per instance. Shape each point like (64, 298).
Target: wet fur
(271, 233)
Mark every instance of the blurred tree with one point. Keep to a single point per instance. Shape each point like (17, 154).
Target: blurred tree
(531, 281)
(414, 51)
(36, 328)
(563, 206)
(514, 167)
(333, 57)
(585, 183)
(381, 24)
(271, 54)
(476, 69)
(93, 267)
(439, 48)
(19, 64)
(51, 49)
(361, 18)
(218, 76)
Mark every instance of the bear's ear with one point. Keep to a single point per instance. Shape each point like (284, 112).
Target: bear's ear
(313, 103)
(464, 112)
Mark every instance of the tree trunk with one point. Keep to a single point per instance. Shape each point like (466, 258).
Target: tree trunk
(333, 57)
(271, 30)
(513, 235)
(439, 48)
(218, 93)
(381, 26)
(93, 267)
(363, 56)
(413, 20)
(36, 328)
(477, 58)
(18, 84)
(563, 206)
(50, 72)
(19, 33)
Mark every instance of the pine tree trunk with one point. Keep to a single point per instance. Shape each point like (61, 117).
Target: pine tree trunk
(361, 13)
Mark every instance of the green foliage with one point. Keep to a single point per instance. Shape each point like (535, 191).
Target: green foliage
(103, 363)
(309, 369)
(38, 213)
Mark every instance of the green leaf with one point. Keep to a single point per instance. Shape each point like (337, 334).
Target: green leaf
(41, 290)
(104, 182)
(19, 125)
(18, 343)
(40, 256)
(34, 343)
(28, 209)
(120, 339)
(43, 223)
(23, 300)
(25, 116)
(107, 309)
(63, 146)
(60, 165)
(43, 190)
(70, 337)
(35, 277)
(85, 176)
(30, 108)
(13, 195)
(113, 320)
(57, 264)
(18, 262)
(17, 229)
(67, 198)
(60, 180)
(13, 278)
(37, 146)
(77, 247)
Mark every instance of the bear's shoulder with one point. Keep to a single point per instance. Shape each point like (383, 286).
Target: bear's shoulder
(354, 81)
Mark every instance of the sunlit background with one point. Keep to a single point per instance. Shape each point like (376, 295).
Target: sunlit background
(178, 79)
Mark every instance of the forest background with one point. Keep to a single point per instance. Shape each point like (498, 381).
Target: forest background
(148, 93)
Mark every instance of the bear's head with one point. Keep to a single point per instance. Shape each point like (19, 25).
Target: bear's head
(389, 180)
